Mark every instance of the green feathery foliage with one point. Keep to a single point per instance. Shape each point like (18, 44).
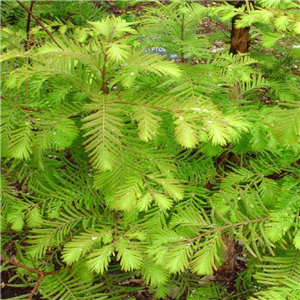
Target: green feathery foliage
(119, 163)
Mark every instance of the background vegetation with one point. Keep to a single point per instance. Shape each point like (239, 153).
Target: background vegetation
(128, 175)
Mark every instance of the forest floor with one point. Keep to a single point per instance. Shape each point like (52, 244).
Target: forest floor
(225, 275)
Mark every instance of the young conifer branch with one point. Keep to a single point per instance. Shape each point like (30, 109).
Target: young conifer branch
(216, 229)
(149, 106)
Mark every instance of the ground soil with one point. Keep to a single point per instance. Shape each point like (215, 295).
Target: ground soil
(226, 275)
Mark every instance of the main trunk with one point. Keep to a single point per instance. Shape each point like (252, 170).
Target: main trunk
(240, 37)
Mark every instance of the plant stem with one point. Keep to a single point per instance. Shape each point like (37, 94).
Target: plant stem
(240, 37)
(22, 266)
(40, 273)
(145, 105)
(30, 297)
(115, 226)
(225, 227)
(103, 72)
(28, 26)
(39, 22)
(182, 38)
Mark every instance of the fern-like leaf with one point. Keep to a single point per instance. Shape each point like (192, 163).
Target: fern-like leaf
(103, 134)
(148, 123)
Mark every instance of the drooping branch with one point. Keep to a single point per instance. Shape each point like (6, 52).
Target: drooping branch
(149, 106)
(216, 229)
(39, 22)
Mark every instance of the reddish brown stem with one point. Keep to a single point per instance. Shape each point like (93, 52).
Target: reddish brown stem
(22, 266)
(40, 273)
(39, 22)
(30, 297)
(28, 26)
(30, 109)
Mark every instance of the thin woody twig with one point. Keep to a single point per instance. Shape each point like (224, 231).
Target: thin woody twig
(28, 26)
(39, 22)
(145, 105)
(40, 273)
(115, 226)
(22, 266)
(216, 229)
(227, 226)
(30, 297)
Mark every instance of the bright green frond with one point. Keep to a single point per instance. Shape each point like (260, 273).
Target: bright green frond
(147, 123)
(103, 132)
(98, 260)
(206, 260)
(112, 27)
(153, 274)
(64, 286)
(19, 144)
(129, 254)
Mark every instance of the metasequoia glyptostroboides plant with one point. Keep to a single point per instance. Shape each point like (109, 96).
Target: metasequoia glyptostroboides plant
(118, 163)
